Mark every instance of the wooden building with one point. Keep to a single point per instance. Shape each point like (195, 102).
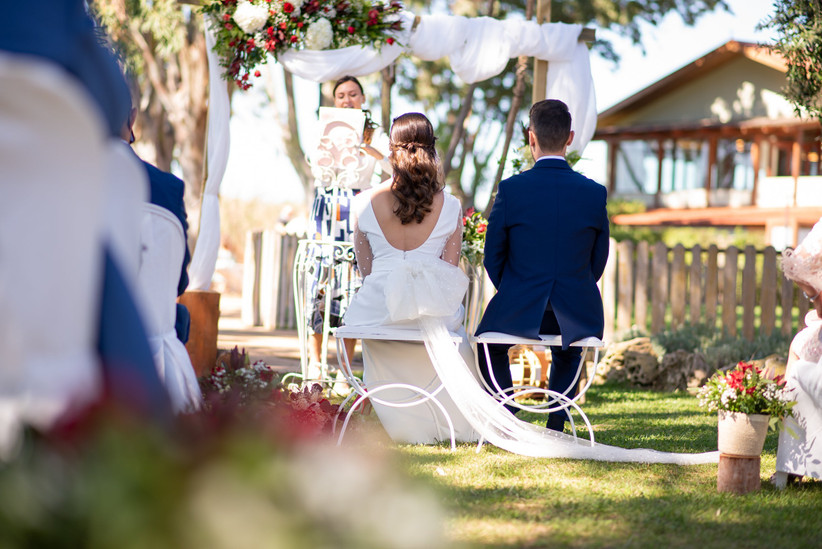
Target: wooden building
(716, 144)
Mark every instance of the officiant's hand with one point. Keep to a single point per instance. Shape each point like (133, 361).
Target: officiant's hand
(369, 150)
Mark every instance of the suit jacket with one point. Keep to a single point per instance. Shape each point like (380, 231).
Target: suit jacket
(547, 242)
(167, 191)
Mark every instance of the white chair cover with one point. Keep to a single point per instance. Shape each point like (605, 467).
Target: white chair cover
(52, 188)
(800, 443)
(126, 190)
(163, 248)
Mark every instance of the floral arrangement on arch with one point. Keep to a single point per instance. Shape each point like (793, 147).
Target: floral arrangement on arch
(748, 390)
(247, 30)
(473, 236)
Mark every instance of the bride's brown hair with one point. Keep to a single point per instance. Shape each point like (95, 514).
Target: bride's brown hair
(417, 175)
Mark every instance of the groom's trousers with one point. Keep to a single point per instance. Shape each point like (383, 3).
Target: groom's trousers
(564, 364)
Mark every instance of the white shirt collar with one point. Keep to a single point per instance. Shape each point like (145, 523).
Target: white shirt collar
(550, 157)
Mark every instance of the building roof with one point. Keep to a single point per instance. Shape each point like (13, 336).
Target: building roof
(709, 62)
(751, 216)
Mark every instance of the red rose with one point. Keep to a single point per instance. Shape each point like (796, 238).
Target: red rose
(270, 31)
(283, 25)
(481, 229)
(294, 38)
(228, 26)
(389, 40)
(245, 76)
(371, 22)
(226, 17)
(288, 7)
(231, 44)
(257, 73)
(250, 43)
(372, 14)
(351, 30)
(300, 25)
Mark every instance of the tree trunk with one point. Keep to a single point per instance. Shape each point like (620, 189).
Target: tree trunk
(519, 92)
(292, 141)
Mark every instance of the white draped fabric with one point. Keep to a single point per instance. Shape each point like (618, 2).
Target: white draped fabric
(204, 259)
(477, 48)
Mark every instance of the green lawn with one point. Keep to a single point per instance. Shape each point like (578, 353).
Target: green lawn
(498, 499)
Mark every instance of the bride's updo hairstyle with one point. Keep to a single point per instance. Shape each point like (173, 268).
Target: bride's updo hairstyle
(417, 176)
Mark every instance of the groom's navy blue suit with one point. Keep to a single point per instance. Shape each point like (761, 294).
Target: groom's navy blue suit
(545, 249)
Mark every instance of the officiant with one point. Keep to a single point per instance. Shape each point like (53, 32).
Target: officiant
(331, 209)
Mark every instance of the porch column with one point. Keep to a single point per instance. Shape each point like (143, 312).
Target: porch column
(712, 144)
(613, 149)
(660, 157)
(755, 162)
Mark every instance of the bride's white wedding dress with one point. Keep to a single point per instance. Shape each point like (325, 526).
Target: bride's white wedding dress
(416, 289)
(403, 361)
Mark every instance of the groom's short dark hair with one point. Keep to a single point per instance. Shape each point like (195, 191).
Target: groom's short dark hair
(551, 123)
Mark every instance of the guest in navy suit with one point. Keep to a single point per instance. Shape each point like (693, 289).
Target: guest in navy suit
(167, 191)
(545, 249)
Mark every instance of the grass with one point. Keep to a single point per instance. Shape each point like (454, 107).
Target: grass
(502, 500)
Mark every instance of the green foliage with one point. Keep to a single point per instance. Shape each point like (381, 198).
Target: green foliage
(747, 390)
(719, 348)
(798, 24)
(247, 32)
(628, 232)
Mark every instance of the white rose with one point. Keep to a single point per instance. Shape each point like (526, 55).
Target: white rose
(249, 17)
(319, 34)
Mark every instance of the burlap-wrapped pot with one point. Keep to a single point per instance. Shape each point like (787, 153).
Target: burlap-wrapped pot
(742, 434)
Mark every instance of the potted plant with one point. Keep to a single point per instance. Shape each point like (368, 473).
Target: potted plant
(748, 403)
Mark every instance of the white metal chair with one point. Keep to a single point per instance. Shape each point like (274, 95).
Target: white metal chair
(163, 248)
(53, 150)
(360, 392)
(554, 401)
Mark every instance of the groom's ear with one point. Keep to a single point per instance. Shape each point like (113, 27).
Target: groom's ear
(570, 139)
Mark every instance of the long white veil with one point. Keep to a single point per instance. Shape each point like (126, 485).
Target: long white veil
(416, 291)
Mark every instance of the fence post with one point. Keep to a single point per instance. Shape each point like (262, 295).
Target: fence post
(641, 287)
(659, 294)
(250, 310)
(749, 293)
(729, 290)
(767, 297)
(608, 290)
(787, 305)
(695, 285)
(712, 286)
(625, 290)
(678, 287)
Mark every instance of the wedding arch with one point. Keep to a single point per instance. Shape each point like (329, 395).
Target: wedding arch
(477, 48)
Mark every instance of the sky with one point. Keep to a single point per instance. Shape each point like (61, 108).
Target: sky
(258, 169)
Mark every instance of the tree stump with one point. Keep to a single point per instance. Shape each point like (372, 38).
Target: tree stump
(738, 474)
(204, 308)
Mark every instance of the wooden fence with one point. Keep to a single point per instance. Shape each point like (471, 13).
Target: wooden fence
(647, 287)
(656, 288)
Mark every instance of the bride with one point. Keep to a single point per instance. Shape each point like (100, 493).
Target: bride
(407, 238)
(408, 221)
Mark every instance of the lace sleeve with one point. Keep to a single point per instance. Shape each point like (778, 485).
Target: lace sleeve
(453, 246)
(362, 249)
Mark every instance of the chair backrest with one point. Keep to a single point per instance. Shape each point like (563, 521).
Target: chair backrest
(161, 258)
(127, 189)
(53, 146)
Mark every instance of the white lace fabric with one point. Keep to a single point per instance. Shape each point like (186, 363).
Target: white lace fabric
(804, 263)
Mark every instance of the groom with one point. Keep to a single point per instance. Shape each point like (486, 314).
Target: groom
(545, 249)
